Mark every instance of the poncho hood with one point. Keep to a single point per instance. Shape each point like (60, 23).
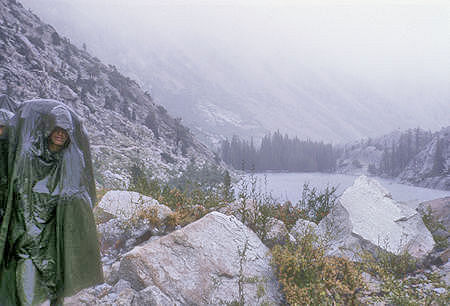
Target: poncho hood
(33, 124)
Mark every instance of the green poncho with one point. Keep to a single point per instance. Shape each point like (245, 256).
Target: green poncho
(5, 116)
(48, 235)
(3, 174)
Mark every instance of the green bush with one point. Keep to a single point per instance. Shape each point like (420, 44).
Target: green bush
(191, 195)
(384, 264)
(317, 204)
(308, 277)
(400, 282)
(433, 226)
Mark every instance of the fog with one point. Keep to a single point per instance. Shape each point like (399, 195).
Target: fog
(385, 42)
(398, 48)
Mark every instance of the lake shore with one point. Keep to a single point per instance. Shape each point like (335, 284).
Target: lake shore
(285, 186)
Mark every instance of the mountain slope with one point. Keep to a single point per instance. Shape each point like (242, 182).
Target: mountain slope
(431, 167)
(414, 157)
(124, 124)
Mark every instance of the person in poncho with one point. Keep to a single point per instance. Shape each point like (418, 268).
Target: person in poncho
(5, 116)
(48, 234)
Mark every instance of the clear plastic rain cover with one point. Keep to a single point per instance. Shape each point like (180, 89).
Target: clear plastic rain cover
(48, 238)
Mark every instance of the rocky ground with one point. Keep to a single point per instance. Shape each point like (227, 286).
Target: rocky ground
(219, 260)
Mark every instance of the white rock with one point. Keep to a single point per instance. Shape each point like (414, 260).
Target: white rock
(151, 296)
(125, 204)
(128, 229)
(88, 296)
(302, 226)
(277, 230)
(112, 275)
(205, 262)
(367, 217)
(67, 93)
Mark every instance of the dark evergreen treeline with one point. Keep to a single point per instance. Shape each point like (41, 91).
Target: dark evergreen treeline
(399, 153)
(279, 153)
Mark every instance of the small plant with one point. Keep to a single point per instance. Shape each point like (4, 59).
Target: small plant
(256, 209)
(173, 220)
(227, 189)
(140, 183)
(100, 193)
(317, 204)
(308, 277)
(167, 158)
(149, 215)
(288, 213)
(400, 283)
(242, 280)
(434, 226)
(385, 263)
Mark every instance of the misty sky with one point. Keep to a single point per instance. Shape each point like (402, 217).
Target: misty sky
(399, 47)
(382, 40)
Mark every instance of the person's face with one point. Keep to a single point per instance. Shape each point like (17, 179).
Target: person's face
(59, 137)
(2, 129)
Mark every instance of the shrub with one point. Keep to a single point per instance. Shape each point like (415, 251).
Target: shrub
(308, 277)
(56, 40)
(433, 226)
(227, 189)
(140, 182)
(191, 195)
(258, 209)
(385, 263)
(206, 178)
(288, 213)
(317, 204)
(184, 216)
(400, 285)
(167, 158)
(100, 193)
(150, 215)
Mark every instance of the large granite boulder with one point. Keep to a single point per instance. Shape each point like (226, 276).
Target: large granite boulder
(126, 204)
(126, 220)
(366, 218)
(214, 260)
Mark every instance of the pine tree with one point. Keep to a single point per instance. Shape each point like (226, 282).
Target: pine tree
(438, 160)
(152, 124)
(227, 192)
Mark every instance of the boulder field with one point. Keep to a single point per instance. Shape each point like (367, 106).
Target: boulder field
(219, 260)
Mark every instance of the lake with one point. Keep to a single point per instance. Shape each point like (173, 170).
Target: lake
(288, 186)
